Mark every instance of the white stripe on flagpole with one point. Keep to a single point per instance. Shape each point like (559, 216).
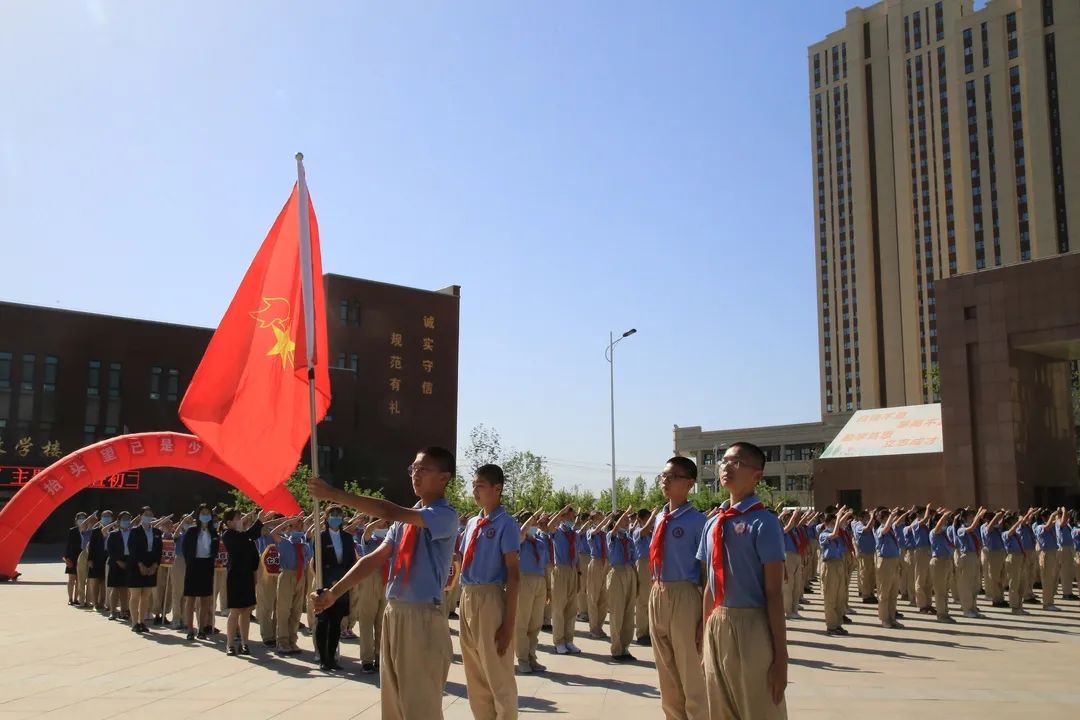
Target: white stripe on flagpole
(306, 278)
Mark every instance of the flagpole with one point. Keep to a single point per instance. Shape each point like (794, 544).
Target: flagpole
(309, 337)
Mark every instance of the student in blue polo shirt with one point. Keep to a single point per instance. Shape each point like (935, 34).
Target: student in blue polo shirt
(887, 567)
(792, 562)
(533, 561)
(920, 559)
(1046, 536)
(489, 596)
(865, 545)
(675, 597)
(565, 581)
(941, 564)
(620, 585)
(642, 536)
(968, 567)
(584, 557)
(992, 535)
(833, 577)
(1074, 523)
(416, 648)
(1066, 565)
(596, 588)
(1031, 558)
(745, 645)
(1014, 558)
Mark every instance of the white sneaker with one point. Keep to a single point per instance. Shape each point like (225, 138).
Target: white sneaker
(1052, 608)
(793, 616)
(524, 668)
(573, 648)
(971, 614)
(562, 650)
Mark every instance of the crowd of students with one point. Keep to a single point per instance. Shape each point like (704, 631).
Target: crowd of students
(711, 593)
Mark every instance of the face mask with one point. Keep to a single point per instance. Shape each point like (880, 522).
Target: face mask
(106, 519)
(125, 524)
(147, 521)
(185, 526)
(205, 519)
(567, 525)
(297, 537)
(334, 521)
(80, 520)
(380, 534)
(535, 532)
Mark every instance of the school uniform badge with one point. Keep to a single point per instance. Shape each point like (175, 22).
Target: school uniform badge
(678, 532)
(490, 533)
(740, 528)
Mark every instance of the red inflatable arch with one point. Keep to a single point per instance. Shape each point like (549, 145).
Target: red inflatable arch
(36, 500)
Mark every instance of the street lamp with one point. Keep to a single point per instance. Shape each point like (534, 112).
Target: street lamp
(609, 354)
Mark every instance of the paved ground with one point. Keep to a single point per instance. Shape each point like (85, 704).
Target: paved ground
(59, 662)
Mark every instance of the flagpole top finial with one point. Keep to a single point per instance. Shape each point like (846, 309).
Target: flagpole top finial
(299, 156)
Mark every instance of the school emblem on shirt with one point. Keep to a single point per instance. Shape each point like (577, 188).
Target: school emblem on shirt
(740, 528)
(677, 532)
(490, 533)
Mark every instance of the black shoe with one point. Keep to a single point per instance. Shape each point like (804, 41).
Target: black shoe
(546, 628)
(982, 592)
(376, 663)
(1031, 601)
(871, 600)
(899, 616)
(191, 637)
(645, 640)
(834, 631)
(368, 668)
(270, 643)
(1070, 597)
(114, 616)
(329, 667)
(201, 635)
(245, 650)
(230, 650)
(453, 615)
(624, 658)
(1000, 604)
(846, 619)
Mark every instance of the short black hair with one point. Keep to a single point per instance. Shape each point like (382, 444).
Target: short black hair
(643, 513)
(442, 457)
(147, 509)
(492, 474)
(124, 513)
(229, 514)
(685, 464)
(755, 453)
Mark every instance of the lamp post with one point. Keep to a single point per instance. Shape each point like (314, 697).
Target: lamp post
(609, 354)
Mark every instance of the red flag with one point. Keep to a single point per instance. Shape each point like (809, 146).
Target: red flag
(249, 399)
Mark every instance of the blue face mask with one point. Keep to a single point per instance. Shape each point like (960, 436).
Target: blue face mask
(334, 521)
(378, 534)
(125, 524)
(147, 521)
(297, 537)
(205, 519)
(567, 525)
(535, 532)
(106, 519)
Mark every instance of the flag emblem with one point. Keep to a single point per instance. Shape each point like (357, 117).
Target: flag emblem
(275, 314)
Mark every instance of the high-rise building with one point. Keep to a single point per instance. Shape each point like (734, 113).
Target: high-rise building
(945, 140)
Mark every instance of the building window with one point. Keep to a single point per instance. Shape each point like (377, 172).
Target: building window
(907, 34)
(354, 362)
(5, 370)
(326, 458)
(817, 70)
(1057, 164)
(1010, 29)
(110, 431)
(356, 313)
(93, 379)
(52, 367)
(916, 28)
(969, 52)
(114, 380)
(1048, 13)
(155, 383)
(89, 434)
(939, 21)
(985, 45)
(172, 386)
(1018, 159)
(343, 311)
(26, 378)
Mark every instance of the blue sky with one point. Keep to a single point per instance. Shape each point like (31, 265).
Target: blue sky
(577, 167)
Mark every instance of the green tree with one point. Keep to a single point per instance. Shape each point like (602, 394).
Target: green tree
(484, 447)
(460, 496)
(933, 379)
(529, 485)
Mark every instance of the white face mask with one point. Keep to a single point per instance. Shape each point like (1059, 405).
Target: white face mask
(380, 534)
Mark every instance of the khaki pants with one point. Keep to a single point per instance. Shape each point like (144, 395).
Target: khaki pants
(641, 609)
(621, 589)
(140, 603)
(414, 661)
(288, 606)
(968, 579)
(548, 571)
(907, 576)
(1031, 572)
(674, 615)
(564, 590)
(954, 587)
(220, 592)
(597, 595)
(845, 586)
(372, 594)
(266, 586)
(176, 588)
(995, 575)
(737, 656)
(940, 571)
(160, 601)
(1066, 570)
(532, 592)
(82, 569)
(1048, 570)
(867, 580)
(1014, 575)
(583, 583)
(489, 676)
(792, 563)
(832, 584)
(887, 571)
(923, 583)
